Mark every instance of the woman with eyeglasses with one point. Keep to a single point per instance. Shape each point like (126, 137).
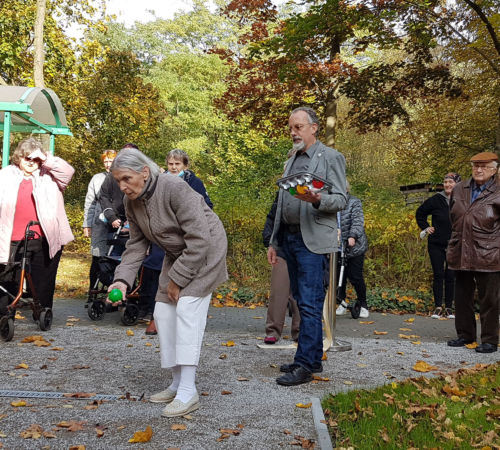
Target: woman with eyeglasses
(439, 234)
(32, 190)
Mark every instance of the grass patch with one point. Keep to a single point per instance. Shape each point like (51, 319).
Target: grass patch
(73, 276)
(457, 410)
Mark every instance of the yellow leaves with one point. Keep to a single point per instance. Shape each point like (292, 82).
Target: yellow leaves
(37, 340)
(318, 378)
(131, 333)
(178, 427)
(471, 345)
(22, 366)
(228, 344)
(324, 357)
(303, 405)
(422, 366)
(142, 436)
(416, 342)
(34, 431)
(455, 398)
(408, 336)
(19, 316)
(453, 390)
(411, 320)
(57, 349)
(380, 333)
(405, 329)
(18, 403)
(366, 322)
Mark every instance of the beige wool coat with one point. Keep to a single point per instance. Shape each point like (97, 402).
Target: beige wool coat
(172, 215)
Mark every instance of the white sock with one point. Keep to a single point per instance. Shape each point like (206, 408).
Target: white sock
(176, 374)
(187, 387)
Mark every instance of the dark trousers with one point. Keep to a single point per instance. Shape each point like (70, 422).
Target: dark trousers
(94, 271)
(488, 289)
(441, 275)
(148, 289)
(354, 273)
(42, 268)
(306, 272)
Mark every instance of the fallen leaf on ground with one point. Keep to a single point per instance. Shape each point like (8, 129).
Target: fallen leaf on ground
(422, 366)
(303, 405)
(257, 317)
(178, 426)
(472, 345)
(411, 320)
(416, 342)
(348, 382)
(324, 357)
(81, 367)
(366, 322)
(22, 366)
(243, 379)
(34, 431)
(57, 349)
(77, 447)
(380, 333)
(72, 425)
(223, 356)
(317, 378)
(42, 343)
(142, 436)
(401, 353)
(228, 344)
(408, 336)
(18, 404)
(29, 339)
(79, 394)
(19, 316)
(226, 392)
(405, 329)
(130, 333)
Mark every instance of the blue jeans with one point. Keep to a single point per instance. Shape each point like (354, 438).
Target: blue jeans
(306, 271)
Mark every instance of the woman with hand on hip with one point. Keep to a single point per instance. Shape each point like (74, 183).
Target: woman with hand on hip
(438, 207)
(161, 208)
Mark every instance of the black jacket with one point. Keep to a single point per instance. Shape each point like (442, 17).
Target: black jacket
(436, 207)
(111, 200)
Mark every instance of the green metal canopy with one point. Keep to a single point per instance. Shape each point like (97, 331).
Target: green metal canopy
(30, 110)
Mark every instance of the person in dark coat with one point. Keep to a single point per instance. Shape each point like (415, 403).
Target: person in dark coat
(474, 252)
(355, 243)
(439, 234)
(280, 295)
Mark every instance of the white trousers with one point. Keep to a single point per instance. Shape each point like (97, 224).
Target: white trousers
(180, 330)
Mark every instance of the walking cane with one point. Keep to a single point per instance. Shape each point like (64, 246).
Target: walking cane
(329, 317)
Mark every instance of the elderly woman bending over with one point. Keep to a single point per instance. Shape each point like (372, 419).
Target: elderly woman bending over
(164, 210)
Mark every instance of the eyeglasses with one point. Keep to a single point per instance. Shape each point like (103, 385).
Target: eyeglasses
(482, 167)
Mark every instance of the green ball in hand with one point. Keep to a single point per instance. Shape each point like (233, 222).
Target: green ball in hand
(115, 295)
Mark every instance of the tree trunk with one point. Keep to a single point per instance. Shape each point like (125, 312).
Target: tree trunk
(38, 42)
(331, 122)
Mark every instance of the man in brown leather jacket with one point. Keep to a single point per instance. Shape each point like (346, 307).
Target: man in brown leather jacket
(474, 252)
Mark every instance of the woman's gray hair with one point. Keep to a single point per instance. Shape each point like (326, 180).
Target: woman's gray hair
(179, 155)
(133, 159)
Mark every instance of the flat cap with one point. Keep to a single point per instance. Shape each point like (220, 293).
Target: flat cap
(484, 157)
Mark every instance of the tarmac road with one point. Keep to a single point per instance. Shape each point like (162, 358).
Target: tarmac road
(237, 383)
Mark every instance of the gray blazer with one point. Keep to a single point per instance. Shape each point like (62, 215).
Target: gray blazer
(319, 225)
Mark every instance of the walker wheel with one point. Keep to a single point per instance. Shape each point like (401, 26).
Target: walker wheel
(355, 310)
(130, 314)
(96, 310)
(6, 328)
(45, 319)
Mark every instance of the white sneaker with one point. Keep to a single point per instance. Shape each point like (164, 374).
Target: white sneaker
(341, 309)
(163, 397)
(364, 313)
(437, 313)
(178, 408)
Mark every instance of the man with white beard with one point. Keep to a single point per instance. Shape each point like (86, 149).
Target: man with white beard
(305, 229)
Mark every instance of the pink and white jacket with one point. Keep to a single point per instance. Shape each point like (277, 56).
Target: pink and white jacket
(49, 183)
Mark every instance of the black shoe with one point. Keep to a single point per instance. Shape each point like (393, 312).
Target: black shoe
(458, 342)
(299, 375)
(287, 368)
(486, 348)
